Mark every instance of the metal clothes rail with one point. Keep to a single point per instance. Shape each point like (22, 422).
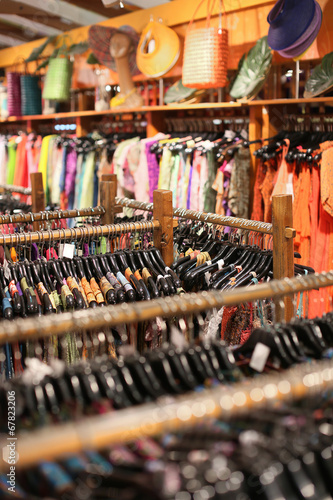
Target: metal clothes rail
(51, 215)
(15, 189)
(247, 224)
(76, 233)
(92, 319)
(167, 415)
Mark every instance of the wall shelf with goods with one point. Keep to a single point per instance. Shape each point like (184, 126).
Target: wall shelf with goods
(163, 111)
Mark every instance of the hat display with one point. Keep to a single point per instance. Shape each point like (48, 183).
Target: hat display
(288, 20)
(158, 50)
(308, 37)
(99, 38)
(294, 26)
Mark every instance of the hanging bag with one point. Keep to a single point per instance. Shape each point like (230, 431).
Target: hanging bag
(31, 94)
(59, 76)
(206, 51)
(14, 90)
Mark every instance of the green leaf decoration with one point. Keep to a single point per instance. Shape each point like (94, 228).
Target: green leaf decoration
(177, 92)
(43, 64)
(321, 78)
(78, 48)
(252, 71)
(92, 59)
(37, 51)
(46, 61)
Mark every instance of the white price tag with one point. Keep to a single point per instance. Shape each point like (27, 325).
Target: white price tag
(220, 264)
(6, 269)
(259, 357)
(61, 250)
(68, 251)
(229, 134)
(244, 134)
(207, 277)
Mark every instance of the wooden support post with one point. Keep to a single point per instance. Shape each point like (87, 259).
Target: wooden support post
(255, 133)
(155, 123)
(163, 213)
(108, 191)
(283, 248)
(37, 196)
(111, 178)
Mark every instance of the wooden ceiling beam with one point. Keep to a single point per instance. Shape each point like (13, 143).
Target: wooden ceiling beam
(65, 10)
(34, 26)
(17, 32)
(35, 15)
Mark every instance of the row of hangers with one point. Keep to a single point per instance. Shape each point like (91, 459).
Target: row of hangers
(276, 453)
(46, 395)
(221, 264)
(309, 142)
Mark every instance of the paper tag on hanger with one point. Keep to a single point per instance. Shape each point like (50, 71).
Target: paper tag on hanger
(220, 264)
(244, 134)
(61, 250)
(259, 357)
(229, 134)
(6, 269)
(177, 338)
(68, 250)
(207, 277)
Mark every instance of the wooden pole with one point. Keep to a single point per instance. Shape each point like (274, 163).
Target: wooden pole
(37, 196)
(108, 192)
(283, 248)
(163, 213)
(172, 414)
(112, 178)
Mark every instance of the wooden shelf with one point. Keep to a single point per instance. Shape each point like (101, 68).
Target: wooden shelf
(173, 107)
(277, 102)
(142, 109)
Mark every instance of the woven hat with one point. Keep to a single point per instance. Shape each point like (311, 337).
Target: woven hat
(308, 37)
(289, 20)
(158, 49)
(99, 38)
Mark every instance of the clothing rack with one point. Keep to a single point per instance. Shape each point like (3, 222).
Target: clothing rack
(48, 215)
(180, 412)
(39, 214)
(15, 189)
(23, 329)
(281, 230)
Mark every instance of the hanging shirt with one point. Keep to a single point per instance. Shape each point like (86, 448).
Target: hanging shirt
(42, 166)
(87, 193)
(3, 160)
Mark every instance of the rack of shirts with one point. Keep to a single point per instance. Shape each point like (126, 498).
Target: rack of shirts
(281, 230)
(120, 426)
(207, 169)
(71, 166)
(297, 161)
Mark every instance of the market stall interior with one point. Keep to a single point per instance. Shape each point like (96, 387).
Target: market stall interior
(166, 249)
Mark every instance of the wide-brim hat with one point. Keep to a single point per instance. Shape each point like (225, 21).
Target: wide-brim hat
(308, 37)
(164, 52)
(289, 20)
(99, 38)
